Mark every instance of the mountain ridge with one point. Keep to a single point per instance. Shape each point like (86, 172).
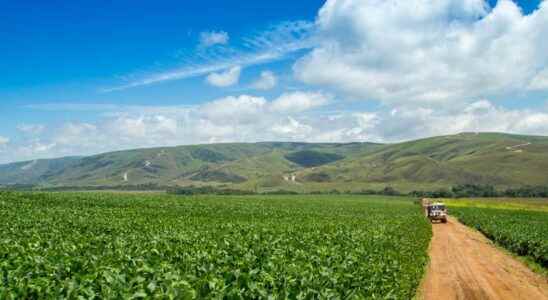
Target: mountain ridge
(499, 159)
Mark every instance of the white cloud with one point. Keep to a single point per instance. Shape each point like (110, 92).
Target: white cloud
(308, 117)
(231, 119)
(32, 129)
(224, 79)
(481, 116)
(71, 134)
(32, 149)
(292, 129)
(146, 127)
(418, 51)
(42, 148)
(240, 108)
(367, 120)
(273, 44)
(298, 101)
(251, 108)
(266, 81)
(430, 62)
(211, 38)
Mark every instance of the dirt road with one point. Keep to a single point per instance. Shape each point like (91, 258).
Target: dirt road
(465, 265)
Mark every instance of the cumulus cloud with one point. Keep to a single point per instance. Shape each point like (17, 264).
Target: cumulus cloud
(244, 108)
(248, 118)
(480, 116)
(243, 118)
(144, 127)
(224, 79)
(78, 134)
(266, 81)
(418, 51)
(292, 129)
(298, 101)
(211, 38)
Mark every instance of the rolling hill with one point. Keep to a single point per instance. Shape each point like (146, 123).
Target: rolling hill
(483, 158)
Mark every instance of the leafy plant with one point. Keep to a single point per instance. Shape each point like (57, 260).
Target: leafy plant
(520, 231)
(130, 246)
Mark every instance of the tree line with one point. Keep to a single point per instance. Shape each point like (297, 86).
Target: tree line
(483, 191)
(457, 191)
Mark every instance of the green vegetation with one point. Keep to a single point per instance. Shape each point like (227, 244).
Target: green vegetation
(532, 204)
(519, 225)
(318, 177)
(207, 155)
(442, 162)
(241, 165)
(485, 191)
(311, 158)
(207, 190)
(104, 245)
(500, 161)
(217, 176)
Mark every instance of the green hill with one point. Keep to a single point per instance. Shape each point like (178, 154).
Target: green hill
(502, 160)
(485, 158)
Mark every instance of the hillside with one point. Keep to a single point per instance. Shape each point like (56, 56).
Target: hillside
(485, 158)
(198, 165)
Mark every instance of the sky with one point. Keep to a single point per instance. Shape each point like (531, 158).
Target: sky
(87, 77)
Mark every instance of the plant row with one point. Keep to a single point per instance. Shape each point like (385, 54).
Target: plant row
(122, 246)
(520, 231)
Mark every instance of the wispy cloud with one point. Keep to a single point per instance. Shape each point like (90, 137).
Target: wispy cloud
(273, 44)
(211, 38)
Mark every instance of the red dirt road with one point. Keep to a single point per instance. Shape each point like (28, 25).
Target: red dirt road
(465, 265)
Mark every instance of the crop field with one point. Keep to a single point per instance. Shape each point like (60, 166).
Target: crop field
(519, 225)
(531, 204)
(104, 245)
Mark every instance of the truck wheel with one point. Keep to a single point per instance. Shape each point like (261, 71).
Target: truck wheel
(444, 220)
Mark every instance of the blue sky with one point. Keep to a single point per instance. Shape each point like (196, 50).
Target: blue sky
(84, 77)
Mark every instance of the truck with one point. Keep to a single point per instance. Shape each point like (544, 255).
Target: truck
(435, 211)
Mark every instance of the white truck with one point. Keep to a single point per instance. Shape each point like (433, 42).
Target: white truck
(436, 212)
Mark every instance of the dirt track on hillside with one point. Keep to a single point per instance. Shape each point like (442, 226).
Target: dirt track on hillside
(465, 265)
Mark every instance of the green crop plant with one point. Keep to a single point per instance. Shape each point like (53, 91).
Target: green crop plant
(118, 246)
(523, 232)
